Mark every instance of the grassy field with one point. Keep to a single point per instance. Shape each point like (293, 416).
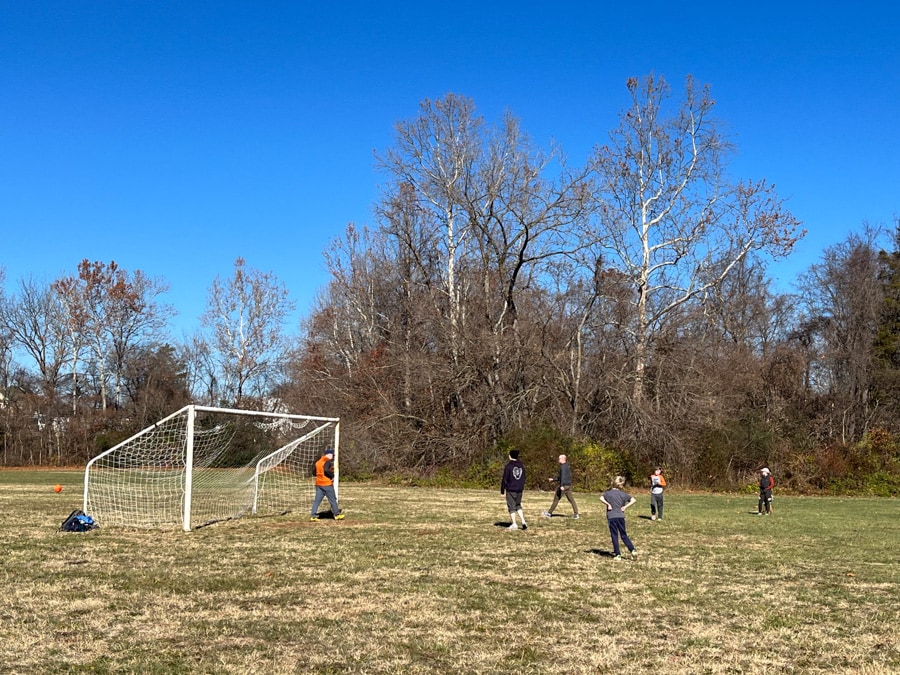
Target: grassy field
(423, 581)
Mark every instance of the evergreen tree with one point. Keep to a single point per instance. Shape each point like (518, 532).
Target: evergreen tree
(886, 366)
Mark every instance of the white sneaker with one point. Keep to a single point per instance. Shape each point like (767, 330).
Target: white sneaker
(513, 527)
(576, 516)
(546, 514)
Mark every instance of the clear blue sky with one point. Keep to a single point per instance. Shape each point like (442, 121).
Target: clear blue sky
(173, 137)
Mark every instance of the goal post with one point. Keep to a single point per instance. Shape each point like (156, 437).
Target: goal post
(205, 464)
(285, 458)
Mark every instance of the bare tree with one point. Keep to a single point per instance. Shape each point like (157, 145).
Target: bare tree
(31, 318)
(353, 306)
(523, 220)
(201, 370)
(843, 299)
(156, 381)
(668, 216)
(5, 340)
(505, 210)
(74, 301)
(112, 310)
(435, 155)
(133, 319)
(245, 316)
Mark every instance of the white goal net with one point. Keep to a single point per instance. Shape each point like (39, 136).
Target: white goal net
(201, 465)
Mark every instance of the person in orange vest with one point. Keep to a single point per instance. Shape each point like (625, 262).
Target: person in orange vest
(657, 486)
(325, 486)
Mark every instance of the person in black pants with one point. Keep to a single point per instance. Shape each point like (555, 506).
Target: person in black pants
(766, 483)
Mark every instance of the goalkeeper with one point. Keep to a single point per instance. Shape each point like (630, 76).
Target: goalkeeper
(325, 486)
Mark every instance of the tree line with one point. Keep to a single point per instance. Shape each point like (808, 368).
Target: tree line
(620, 311)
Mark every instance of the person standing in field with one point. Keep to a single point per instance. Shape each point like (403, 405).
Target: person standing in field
(563, 487)
(325, 486)
(513, 485)
(657, 485)
(766, 483)
(617, 500)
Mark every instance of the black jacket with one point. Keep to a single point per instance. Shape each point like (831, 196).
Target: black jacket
(513, 477)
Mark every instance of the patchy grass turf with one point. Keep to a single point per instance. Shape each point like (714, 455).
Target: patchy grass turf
(425, 581)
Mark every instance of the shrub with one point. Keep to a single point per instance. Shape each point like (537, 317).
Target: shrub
(595, 465)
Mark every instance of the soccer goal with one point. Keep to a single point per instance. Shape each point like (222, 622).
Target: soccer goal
(202, 464)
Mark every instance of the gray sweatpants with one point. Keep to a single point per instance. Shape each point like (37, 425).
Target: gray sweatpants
(656, 504)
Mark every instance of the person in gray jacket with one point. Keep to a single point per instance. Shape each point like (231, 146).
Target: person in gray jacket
(563, 487)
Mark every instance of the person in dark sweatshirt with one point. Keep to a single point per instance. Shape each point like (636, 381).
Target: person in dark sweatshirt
(766, 483)
(513, 485)
(563, 487)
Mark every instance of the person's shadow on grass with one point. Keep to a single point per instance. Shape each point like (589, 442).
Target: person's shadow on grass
(601, 553)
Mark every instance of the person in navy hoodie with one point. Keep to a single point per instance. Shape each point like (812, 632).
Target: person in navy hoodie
(513, 485)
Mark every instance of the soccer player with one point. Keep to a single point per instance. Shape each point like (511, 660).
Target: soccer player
(325, 486)
(657, 485)
(563, 487)
(617, 500)
(766, 483)
(513, 485)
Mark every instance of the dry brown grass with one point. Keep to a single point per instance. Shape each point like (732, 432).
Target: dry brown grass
(425, 581)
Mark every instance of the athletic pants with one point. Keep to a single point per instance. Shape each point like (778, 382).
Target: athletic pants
(616, 530)
(567, 491)
(325, 491)
(656, 503)
(765, 500)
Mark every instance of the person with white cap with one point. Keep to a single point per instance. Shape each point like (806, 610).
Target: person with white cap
(766, 483)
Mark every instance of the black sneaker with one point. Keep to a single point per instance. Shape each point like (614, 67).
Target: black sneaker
(524, 526)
